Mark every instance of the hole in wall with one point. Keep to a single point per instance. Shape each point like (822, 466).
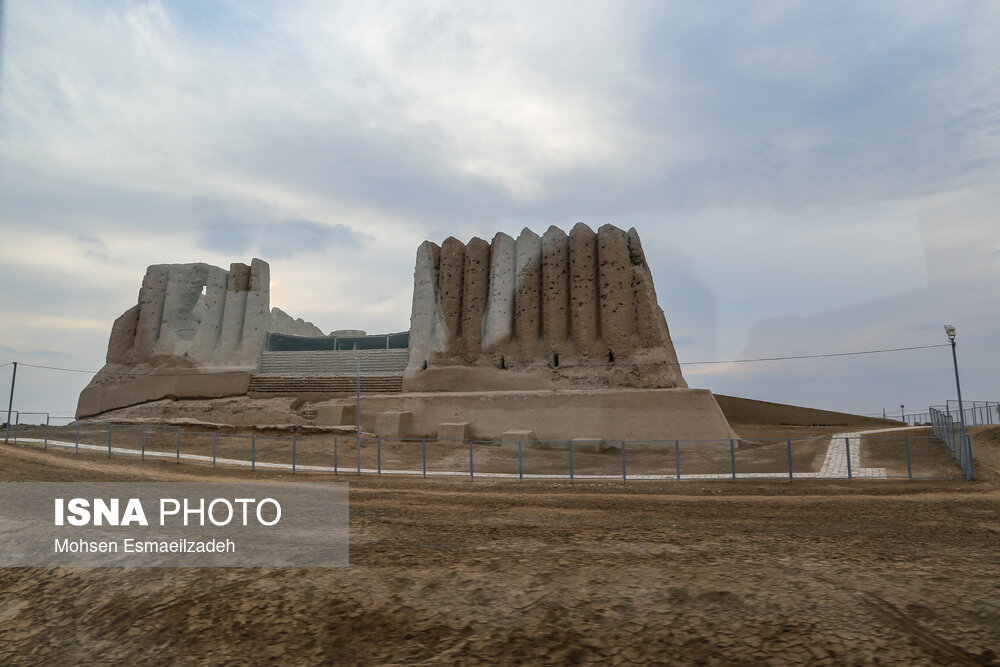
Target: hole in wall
(503, 363)
(611, 357)
(555, 359)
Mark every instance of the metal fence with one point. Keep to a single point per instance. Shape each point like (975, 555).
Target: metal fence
(948, 428)
(844, 456)
(914, 418)
(15, 423)
(976, 413)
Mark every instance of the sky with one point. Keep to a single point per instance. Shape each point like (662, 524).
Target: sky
(807, 178)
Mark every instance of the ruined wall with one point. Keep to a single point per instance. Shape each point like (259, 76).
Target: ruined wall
(190, 320)
(538, 312)
(201, 315)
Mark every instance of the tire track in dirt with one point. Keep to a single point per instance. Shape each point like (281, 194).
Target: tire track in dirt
(926, 638)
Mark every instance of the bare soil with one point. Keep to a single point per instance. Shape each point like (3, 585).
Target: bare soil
(928, 456)
(452, 571)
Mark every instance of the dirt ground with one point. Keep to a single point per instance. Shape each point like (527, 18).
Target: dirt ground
(442, 572)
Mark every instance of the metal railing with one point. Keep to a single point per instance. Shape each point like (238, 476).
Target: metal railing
(844, 456)
(915, 418)
(949, 429)
(17, 423)
(976, 413)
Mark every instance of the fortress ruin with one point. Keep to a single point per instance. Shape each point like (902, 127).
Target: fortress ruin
(576, 310)
(551, 337)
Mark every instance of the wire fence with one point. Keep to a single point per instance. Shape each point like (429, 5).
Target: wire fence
(975, 413)
(848, 456)
(948, 428)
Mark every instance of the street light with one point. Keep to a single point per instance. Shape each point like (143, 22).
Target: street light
(902, 413)
(949, 330)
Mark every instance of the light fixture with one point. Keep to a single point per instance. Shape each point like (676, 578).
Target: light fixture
(950, 330)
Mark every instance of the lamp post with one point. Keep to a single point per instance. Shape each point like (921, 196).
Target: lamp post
(902, 413)
(949, 329)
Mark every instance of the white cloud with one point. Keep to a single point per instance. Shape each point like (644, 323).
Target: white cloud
(801, 159)
(506, 93)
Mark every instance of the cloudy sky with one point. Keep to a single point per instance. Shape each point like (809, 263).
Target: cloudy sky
(806, 177)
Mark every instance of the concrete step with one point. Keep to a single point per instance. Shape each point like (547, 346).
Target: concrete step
(273, 384)
(334, 363)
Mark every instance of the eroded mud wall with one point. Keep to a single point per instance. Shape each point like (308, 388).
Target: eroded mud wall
(578, 308)
(191, 321)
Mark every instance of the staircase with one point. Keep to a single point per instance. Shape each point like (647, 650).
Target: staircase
(330, 371)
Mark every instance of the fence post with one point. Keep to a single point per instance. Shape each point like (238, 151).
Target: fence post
(142, 447)
(624, 474)
(520, 462)
(677, 458)
(957, 451)
(847, 446)
(359, 454)
(966, 448)
(971, 474)
(178, 444)
(10, 404)
(423, 454)
(471, 474)
(571, 461)
(78, 436)
(253, 452)
(109, 440)
(732, 457)
(45, 439)
(789, 459)
(215, 442)
(909, 467)
(293, 454)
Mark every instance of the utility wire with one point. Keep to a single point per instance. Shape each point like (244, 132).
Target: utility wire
(815, 356)
(130, 374)
(683, 363)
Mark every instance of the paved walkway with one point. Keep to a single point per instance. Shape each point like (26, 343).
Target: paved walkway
(838, 465)
(835, 464)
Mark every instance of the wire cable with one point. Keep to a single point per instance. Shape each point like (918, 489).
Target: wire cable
(816, 356)
(682, 363)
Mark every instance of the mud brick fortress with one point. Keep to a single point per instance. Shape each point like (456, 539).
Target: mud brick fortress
(551, 337)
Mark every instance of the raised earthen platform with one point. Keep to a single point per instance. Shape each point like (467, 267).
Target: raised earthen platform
(609, 414)
(108, 392)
